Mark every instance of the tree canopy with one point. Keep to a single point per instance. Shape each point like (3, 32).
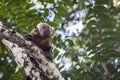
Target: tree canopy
(92, 53)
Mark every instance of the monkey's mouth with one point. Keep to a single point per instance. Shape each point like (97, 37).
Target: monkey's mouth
(47, 32)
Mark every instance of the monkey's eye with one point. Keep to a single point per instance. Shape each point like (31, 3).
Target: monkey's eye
(45, 27)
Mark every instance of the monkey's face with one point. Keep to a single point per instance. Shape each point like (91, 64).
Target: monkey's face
(44, 30)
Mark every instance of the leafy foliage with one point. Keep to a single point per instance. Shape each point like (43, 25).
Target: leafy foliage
(85, 51)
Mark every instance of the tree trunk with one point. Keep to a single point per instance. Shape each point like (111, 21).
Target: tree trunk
(28, 56)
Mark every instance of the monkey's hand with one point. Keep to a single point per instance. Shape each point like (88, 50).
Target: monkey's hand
(28, 37)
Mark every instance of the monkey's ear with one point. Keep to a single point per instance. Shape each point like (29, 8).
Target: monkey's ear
(28, 37)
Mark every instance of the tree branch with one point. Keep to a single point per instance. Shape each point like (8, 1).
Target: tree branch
(28, 56)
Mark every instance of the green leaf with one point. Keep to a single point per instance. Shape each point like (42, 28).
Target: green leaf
(101, 10)
(89, 15)
(55, 52)
(59, 57)
(70, 42)
(61, 67)
(50, 1)
(33, 11)
(102, 1)
(91, 24)
(18, 75)
(28, 6)
(68, 2)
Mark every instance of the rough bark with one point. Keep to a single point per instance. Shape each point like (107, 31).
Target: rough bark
(28, 56)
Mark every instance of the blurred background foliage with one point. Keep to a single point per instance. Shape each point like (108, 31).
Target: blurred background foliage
(92, 53)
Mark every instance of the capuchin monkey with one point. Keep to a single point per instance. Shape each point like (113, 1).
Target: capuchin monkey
(40, 35)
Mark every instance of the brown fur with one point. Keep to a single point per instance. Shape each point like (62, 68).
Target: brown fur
(42, 38)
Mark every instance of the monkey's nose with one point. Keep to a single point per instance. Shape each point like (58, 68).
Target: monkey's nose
(47, 32)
